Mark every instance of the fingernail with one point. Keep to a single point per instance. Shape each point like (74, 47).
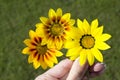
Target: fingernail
(99, 67)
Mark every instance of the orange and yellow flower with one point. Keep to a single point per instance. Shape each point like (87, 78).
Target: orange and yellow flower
(55, 29)
(39, 53)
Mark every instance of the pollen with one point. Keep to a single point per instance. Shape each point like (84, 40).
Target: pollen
(56, 29)
(87, 41)
(42, 49)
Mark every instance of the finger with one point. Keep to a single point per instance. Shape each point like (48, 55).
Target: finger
(56, 72)
(77, 71)
(97, 69)
(61, 69)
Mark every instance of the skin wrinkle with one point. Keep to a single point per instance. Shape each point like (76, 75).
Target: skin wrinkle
(77, 70)
(71, 70)
(63, 67)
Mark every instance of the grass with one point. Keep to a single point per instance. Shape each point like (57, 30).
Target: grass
(17, 17)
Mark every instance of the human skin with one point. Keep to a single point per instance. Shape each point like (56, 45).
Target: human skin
(71, 70)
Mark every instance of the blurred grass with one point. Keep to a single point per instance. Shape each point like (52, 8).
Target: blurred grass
(17, 17)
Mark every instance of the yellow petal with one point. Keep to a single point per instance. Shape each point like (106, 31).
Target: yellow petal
(102, 45)
(98, 32)
(32, 34)
(50, 43)
(94, 25)
(25, 50)
(75, 56)
(58, 53)
(66, 17)
(52, 56)
(51, 13)
(47, 61)
(40, 30)
(30, 58)
(36, 64)
(70, 44)
(72, 22)
(97, 54)
(42, 62)
(72, 33)
(90, 58)
(39, 25)
(73, 51)
(86, 26)
(105, 37)
(59, 12)
(58, 43)
(83, 58)
(44, 41)
(80, 24)
(44, 20)
(54, 59)
(27, 42)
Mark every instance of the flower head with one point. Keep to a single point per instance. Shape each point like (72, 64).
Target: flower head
(86, 42)
(40, 54)
(55, 28)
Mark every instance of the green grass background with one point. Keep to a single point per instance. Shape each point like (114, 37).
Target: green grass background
(17, 17)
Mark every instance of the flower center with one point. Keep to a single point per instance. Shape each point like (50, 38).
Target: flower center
(42, 49)
(87, 41)
(56, 29)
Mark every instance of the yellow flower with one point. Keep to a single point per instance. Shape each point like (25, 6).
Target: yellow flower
(86, 42)
(38, 53)
(55, 28)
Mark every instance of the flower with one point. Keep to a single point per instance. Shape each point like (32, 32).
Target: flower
(38, 53)
(55, 28)
(86, 42)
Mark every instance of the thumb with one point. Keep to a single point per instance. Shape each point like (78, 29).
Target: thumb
(77, 72)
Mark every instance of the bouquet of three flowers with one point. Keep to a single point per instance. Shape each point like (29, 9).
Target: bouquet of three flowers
(57, 32)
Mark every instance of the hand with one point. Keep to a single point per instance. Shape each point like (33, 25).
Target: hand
(69, 70)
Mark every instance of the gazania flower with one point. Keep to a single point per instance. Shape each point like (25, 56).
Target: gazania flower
(38, 53)
(86, 42)
(55, 28)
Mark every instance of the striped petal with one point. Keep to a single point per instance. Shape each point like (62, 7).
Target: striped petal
(42, 62)
(49, 63)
